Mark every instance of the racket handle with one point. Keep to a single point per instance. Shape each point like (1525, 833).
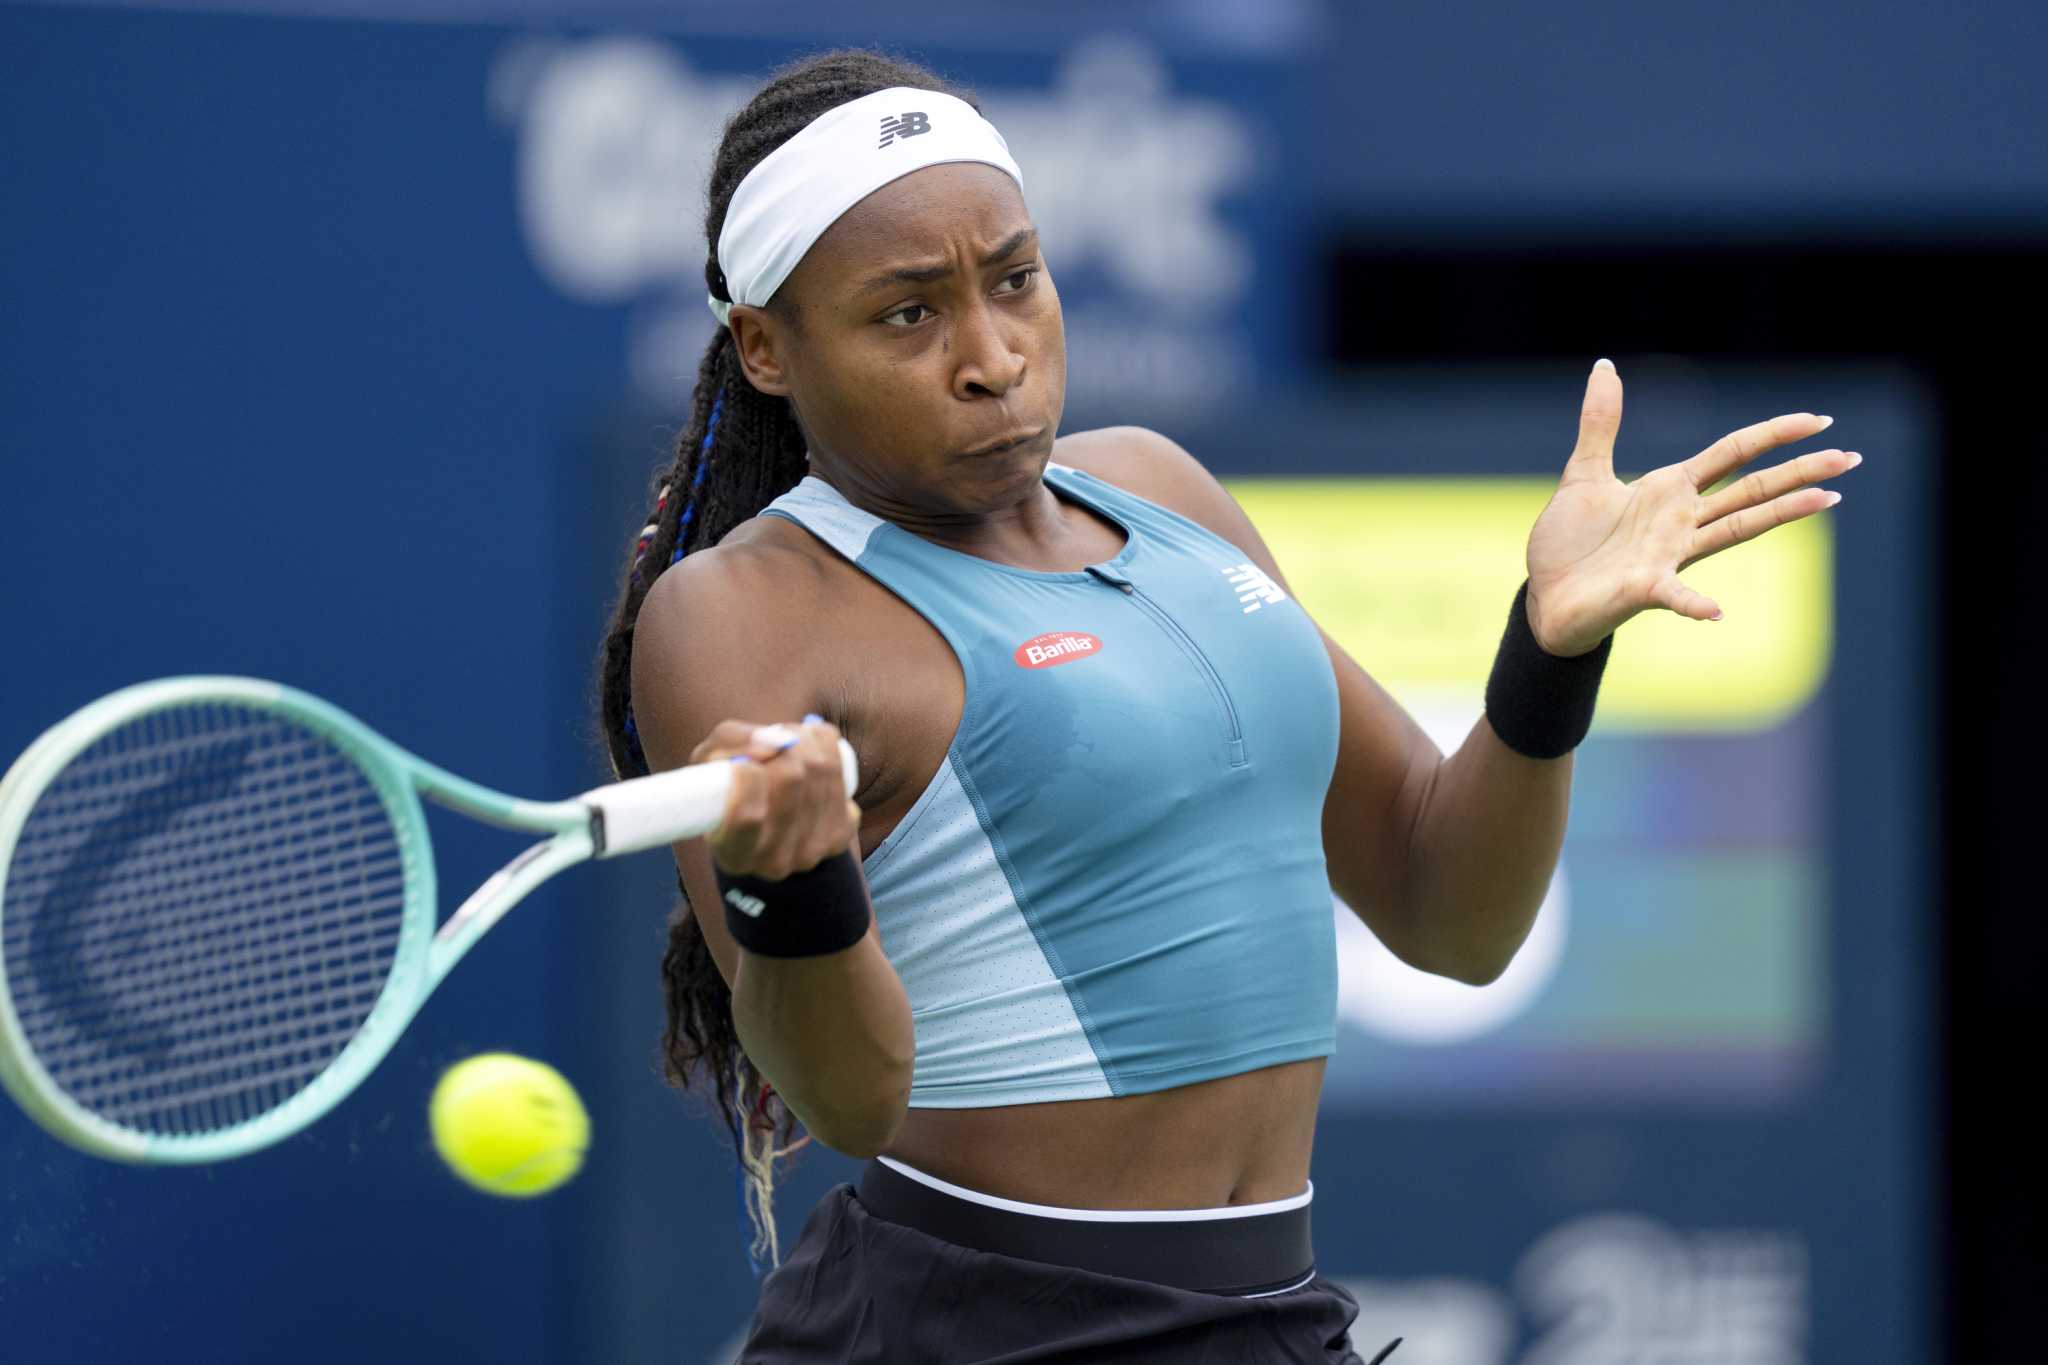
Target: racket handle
(681, 803)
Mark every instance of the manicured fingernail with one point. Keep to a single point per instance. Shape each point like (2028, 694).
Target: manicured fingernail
(740, 758)
(1825, 423)
(813, 718)
(1603, 360)
(1854, 459)
(1833, 498)
(1715, 617)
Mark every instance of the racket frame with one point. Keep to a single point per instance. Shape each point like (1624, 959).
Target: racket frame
(620, 818)
(426, 951)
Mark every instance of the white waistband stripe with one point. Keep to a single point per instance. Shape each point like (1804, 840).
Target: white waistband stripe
(1106, 1215)
(1269, 1293)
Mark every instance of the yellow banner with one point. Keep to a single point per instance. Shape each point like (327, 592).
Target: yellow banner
(1414, 577)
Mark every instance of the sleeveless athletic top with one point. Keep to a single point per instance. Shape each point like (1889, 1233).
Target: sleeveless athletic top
(1114, 883)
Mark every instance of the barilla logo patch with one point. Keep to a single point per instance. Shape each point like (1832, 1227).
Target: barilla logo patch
(1056, 647)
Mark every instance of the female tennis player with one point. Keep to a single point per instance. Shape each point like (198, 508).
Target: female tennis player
(1064, 968)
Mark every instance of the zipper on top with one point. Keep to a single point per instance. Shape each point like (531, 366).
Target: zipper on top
(1235, 730)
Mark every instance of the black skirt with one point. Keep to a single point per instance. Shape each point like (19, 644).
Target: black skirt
(904, 1271)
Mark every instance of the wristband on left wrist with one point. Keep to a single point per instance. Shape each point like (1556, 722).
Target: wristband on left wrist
(1538, 703)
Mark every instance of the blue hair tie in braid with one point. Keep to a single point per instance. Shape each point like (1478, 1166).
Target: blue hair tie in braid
(633, 749)
(703, 463)
(647, 534)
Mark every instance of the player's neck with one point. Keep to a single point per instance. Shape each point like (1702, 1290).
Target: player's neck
(1025, 527)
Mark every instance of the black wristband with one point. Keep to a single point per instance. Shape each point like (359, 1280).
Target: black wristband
(1539, 704)
(821, 910)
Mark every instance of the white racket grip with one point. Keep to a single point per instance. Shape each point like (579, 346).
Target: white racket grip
(681, 803)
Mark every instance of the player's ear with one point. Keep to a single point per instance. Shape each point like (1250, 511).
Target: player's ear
(761, 340)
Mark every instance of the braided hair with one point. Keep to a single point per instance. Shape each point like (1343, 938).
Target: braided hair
(741, 450)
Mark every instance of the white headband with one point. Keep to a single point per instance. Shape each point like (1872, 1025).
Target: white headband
(841, 157)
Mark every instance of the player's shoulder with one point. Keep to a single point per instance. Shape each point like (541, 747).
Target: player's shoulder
(756, 597)
(733, 629)
(765, 568)
(1154, 467)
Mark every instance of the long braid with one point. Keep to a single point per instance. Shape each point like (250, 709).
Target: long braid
(740, 451)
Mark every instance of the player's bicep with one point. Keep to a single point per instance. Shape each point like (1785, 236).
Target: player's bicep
(720, 637)
(1385, 764)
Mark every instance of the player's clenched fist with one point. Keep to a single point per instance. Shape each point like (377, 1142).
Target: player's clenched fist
(787, 810)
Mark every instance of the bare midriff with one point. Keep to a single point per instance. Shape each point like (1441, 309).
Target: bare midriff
(1241, 1139)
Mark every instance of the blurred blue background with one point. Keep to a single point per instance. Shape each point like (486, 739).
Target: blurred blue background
(337, 343)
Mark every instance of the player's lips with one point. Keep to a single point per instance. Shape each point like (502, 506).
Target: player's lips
(1006, 443)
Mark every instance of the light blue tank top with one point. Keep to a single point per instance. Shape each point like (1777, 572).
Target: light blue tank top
(1114, 883)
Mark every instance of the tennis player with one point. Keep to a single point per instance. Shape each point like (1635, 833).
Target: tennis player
(1064, 968)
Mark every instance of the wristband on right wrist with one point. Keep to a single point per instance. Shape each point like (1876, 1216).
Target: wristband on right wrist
(820, 910)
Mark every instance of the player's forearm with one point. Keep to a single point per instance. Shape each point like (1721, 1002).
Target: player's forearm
(833, 1035)
(1481, 854)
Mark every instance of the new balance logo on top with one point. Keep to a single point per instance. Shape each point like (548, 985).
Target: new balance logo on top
(750, 906)
(1255, 587)
(902, 125)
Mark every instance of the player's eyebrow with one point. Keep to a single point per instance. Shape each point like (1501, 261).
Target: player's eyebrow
(919, 273)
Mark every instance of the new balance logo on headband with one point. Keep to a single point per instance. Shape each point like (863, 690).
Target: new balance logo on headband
(902, 125)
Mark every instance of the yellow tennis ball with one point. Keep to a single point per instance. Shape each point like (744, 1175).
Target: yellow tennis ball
(508, 1125)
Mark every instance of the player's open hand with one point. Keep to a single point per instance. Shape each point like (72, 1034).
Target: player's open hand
(1604, 550)
(787, 810)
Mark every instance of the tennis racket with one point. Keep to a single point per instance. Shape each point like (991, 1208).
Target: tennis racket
(218, 911)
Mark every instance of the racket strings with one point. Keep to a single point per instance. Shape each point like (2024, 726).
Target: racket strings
(191, 979)
(179, 890)
(200, 912)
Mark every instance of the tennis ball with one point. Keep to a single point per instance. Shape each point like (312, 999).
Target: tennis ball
(508, 1125)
